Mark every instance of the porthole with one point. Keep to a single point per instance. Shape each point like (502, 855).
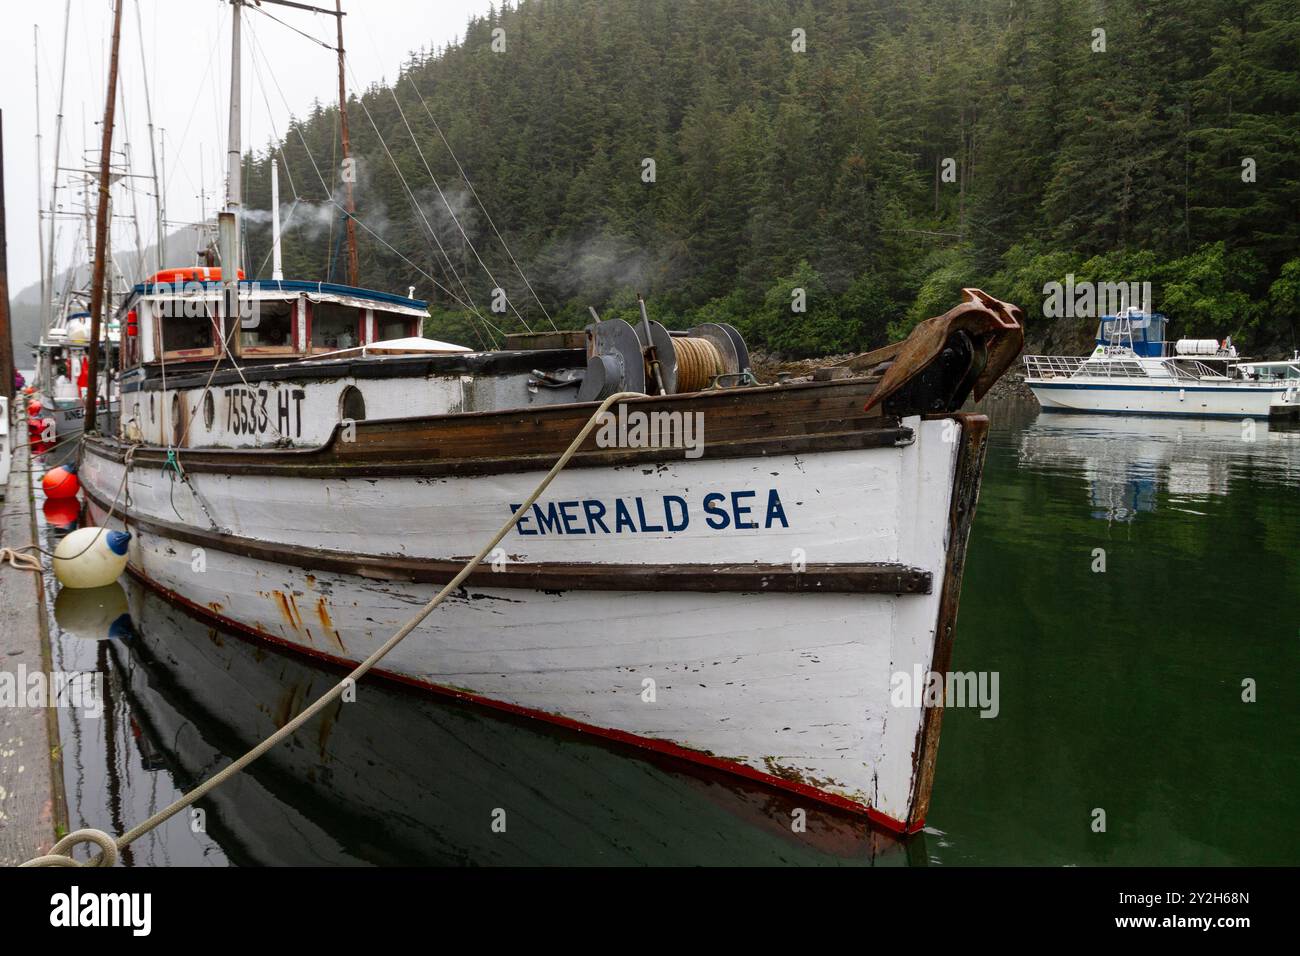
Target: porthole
(352, 404)
(152, 418)
(209, 410)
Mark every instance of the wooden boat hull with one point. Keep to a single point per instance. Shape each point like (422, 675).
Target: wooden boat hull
(416, 777)
(748, 609)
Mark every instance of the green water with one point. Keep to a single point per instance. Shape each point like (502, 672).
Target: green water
(1118, 690)
(1123, 690)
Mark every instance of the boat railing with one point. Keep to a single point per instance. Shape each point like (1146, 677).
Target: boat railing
(1119, 365)
(1052, 366)
(1191, 370)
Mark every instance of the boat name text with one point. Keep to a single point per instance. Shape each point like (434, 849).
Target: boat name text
(721, 511)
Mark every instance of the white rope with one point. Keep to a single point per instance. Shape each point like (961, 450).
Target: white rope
(61, 853)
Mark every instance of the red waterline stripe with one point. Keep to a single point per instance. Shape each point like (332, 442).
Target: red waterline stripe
(621, 736)
(634, 740)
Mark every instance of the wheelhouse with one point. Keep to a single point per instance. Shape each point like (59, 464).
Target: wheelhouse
(185, 320)
(1142, 332)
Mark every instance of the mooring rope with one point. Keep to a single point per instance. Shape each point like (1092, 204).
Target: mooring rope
(23, 562)
(61, 853)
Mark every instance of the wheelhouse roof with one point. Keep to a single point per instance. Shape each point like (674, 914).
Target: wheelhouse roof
(282, 286)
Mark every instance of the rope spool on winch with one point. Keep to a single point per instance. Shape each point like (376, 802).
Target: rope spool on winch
(698, 363)
(690, 361)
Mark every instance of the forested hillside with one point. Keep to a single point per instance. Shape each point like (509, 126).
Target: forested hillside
(1173, 157)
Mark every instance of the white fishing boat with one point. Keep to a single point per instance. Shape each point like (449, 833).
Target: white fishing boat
(61, 368)
(733, 573)
(1134, 370)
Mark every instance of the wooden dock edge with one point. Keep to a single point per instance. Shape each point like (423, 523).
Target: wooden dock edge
(33, 804)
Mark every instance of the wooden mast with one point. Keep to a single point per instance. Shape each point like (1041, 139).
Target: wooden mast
(348, 173)
(6, 340)
(101, 225)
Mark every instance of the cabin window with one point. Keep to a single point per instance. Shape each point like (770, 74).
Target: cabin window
(268, 330)
(394, 327)
(334, 327)
(187, 329)
(352, 405)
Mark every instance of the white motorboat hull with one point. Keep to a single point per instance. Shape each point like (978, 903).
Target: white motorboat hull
(1245, 400)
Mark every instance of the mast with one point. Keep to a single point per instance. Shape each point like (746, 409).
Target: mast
(228, 220)
(6, 339)
(46, 305)
(40, 188)
(277, 267)
(349, 204)
(101, 224)
(153, 152)
(162, 195)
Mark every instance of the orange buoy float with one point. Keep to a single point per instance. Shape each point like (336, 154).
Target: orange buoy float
(36, 434)
(61, 513)
(34, 407)
(61, 482)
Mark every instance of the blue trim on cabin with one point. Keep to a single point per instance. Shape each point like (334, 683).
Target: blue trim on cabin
(1130, 413)
(1162, 387)
(289, 285)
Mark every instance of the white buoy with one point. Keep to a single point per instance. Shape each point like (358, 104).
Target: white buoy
(91, 557)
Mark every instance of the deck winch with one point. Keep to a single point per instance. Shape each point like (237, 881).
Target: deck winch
(649, 358)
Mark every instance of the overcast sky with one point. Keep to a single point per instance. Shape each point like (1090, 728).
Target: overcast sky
(186, 47)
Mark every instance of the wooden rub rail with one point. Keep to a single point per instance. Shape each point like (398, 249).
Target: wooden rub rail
(827, 578)
(794, 419)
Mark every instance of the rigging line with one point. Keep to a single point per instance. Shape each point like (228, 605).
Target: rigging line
(416, 205)
(290, 26)
(185, 133)
(472, 305)
(474, 193)
(438, 285)
(297, 128)
(284, 159)
(450, 211)
(319, 176)
(126, 155)
(442, 196)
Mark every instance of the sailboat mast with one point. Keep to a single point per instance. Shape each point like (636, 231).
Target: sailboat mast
(40, 187)
(153, 151)
(101, 224)
(348, 175)
(47, 305)
(228, 220)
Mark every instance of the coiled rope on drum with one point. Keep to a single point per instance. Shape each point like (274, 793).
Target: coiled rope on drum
(61, 853)
(698, 363)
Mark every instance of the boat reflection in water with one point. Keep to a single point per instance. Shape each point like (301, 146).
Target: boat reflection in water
(400, 778)
(1126, 461)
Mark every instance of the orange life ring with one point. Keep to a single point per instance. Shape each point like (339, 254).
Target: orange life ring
(189, 274)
